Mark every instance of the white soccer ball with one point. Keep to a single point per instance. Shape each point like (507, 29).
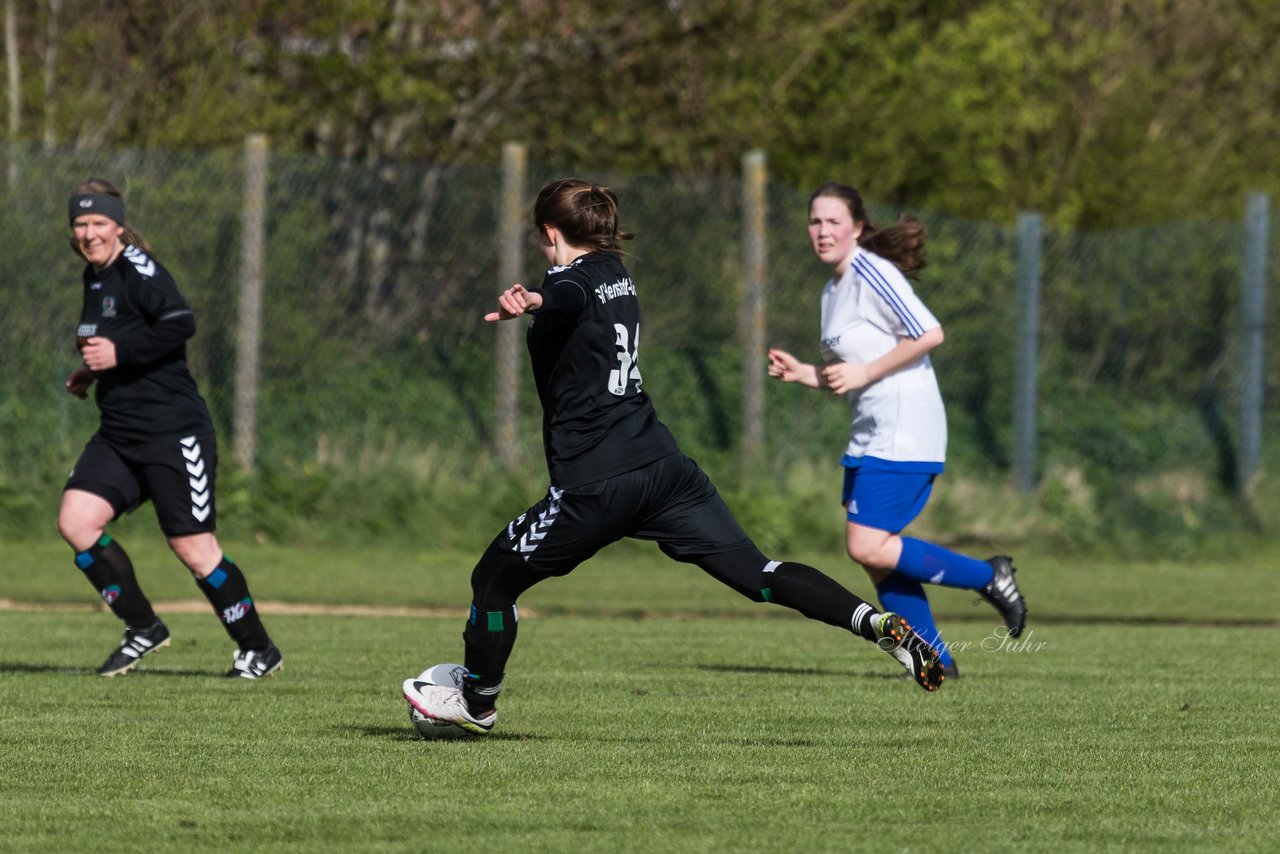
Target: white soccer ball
(450, 676)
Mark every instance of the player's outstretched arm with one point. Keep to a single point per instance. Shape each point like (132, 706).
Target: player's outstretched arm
(513, 302)
(786, 367)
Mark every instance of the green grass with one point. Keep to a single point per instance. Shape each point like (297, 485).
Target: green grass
(646, 709)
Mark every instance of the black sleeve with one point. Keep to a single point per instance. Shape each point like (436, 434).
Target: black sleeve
(169, 320)
(561, 295)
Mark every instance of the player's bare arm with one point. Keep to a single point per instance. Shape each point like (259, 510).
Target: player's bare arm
(843, 377)
(513, 302)
(786, 367)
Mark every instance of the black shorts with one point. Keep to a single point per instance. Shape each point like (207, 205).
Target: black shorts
(670, 501)
(176, 475)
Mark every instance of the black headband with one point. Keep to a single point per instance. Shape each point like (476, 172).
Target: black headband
(99, 203)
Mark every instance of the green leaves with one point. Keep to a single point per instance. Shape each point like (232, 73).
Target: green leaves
(1097, 115)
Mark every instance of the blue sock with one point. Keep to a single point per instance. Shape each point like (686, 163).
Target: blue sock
(905, 597)
(936, 565)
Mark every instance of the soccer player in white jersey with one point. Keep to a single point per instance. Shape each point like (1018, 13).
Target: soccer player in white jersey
(876, 339)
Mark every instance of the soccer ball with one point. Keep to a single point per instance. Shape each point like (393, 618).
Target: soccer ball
(450, 676)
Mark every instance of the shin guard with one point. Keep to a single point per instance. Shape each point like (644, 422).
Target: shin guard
(228, 593)
(110, 571)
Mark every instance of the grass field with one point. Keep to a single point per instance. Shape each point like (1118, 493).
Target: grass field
(647, 709)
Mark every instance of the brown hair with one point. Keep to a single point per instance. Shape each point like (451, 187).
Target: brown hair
(130, 236)
(585, 213)
(902, 243)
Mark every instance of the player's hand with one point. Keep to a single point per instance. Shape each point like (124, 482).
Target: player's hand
(783, 366)
(78, 382)
(99, 354)
(843, 377)
(513, 302)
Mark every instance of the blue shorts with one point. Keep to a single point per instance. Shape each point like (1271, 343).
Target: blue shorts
(885, 500)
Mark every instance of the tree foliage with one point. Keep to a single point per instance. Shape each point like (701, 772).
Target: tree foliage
(1098, 113)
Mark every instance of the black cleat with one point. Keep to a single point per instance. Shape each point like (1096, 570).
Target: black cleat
(255, 663)
(896, 637)
(1004, 594)
(136, 643)
(948, 672)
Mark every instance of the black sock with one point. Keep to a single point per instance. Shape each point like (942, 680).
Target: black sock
(110, 572)
(818, 597)
(489, 638)
(228, 593)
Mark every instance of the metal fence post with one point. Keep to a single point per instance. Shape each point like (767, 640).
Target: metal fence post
(248, 345)
(1253, 329)
(14, 66)
(1030, 231)
(752, 318)
(507, 348)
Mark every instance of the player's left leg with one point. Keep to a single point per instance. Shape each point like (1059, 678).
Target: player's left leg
(692, 524)
(993, 579)
(181, 477)
(548, 540)
(814, 594)
(881, 504)
(224, 585)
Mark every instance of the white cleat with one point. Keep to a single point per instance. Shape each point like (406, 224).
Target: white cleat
(443, 705)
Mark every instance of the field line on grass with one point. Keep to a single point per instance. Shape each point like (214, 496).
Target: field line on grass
(199, 606)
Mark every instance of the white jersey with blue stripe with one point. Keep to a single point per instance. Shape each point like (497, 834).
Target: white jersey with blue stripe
(899, 423)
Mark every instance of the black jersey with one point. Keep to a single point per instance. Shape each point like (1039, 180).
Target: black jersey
(596, 420)
(150, 394)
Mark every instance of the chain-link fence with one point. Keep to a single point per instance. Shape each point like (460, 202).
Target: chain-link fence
(376, 275)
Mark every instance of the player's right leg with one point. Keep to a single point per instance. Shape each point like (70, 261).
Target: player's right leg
(100, 488)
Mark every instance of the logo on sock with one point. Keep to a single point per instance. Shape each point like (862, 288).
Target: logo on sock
(111, 593)
(236, 611)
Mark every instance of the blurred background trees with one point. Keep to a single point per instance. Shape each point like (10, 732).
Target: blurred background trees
(1136, 128)
(1099, 113)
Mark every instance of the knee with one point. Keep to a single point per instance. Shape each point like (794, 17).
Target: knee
(877, 574)
(747, 572)
(199, 553)
(72, 529)
(500, 577)
(872, 554)
(80, 527)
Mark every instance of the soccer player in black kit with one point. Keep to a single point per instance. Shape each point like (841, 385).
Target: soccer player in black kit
(615, 470)
(155, 440)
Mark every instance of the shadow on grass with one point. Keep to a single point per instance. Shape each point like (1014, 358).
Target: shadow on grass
(407, 733)
(1170, 622)
(793, 671)
(18, 667)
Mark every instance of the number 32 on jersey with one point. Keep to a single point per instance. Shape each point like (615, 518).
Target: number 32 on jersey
(627, 343)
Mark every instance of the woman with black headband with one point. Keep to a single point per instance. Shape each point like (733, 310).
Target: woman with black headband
(155, 440)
